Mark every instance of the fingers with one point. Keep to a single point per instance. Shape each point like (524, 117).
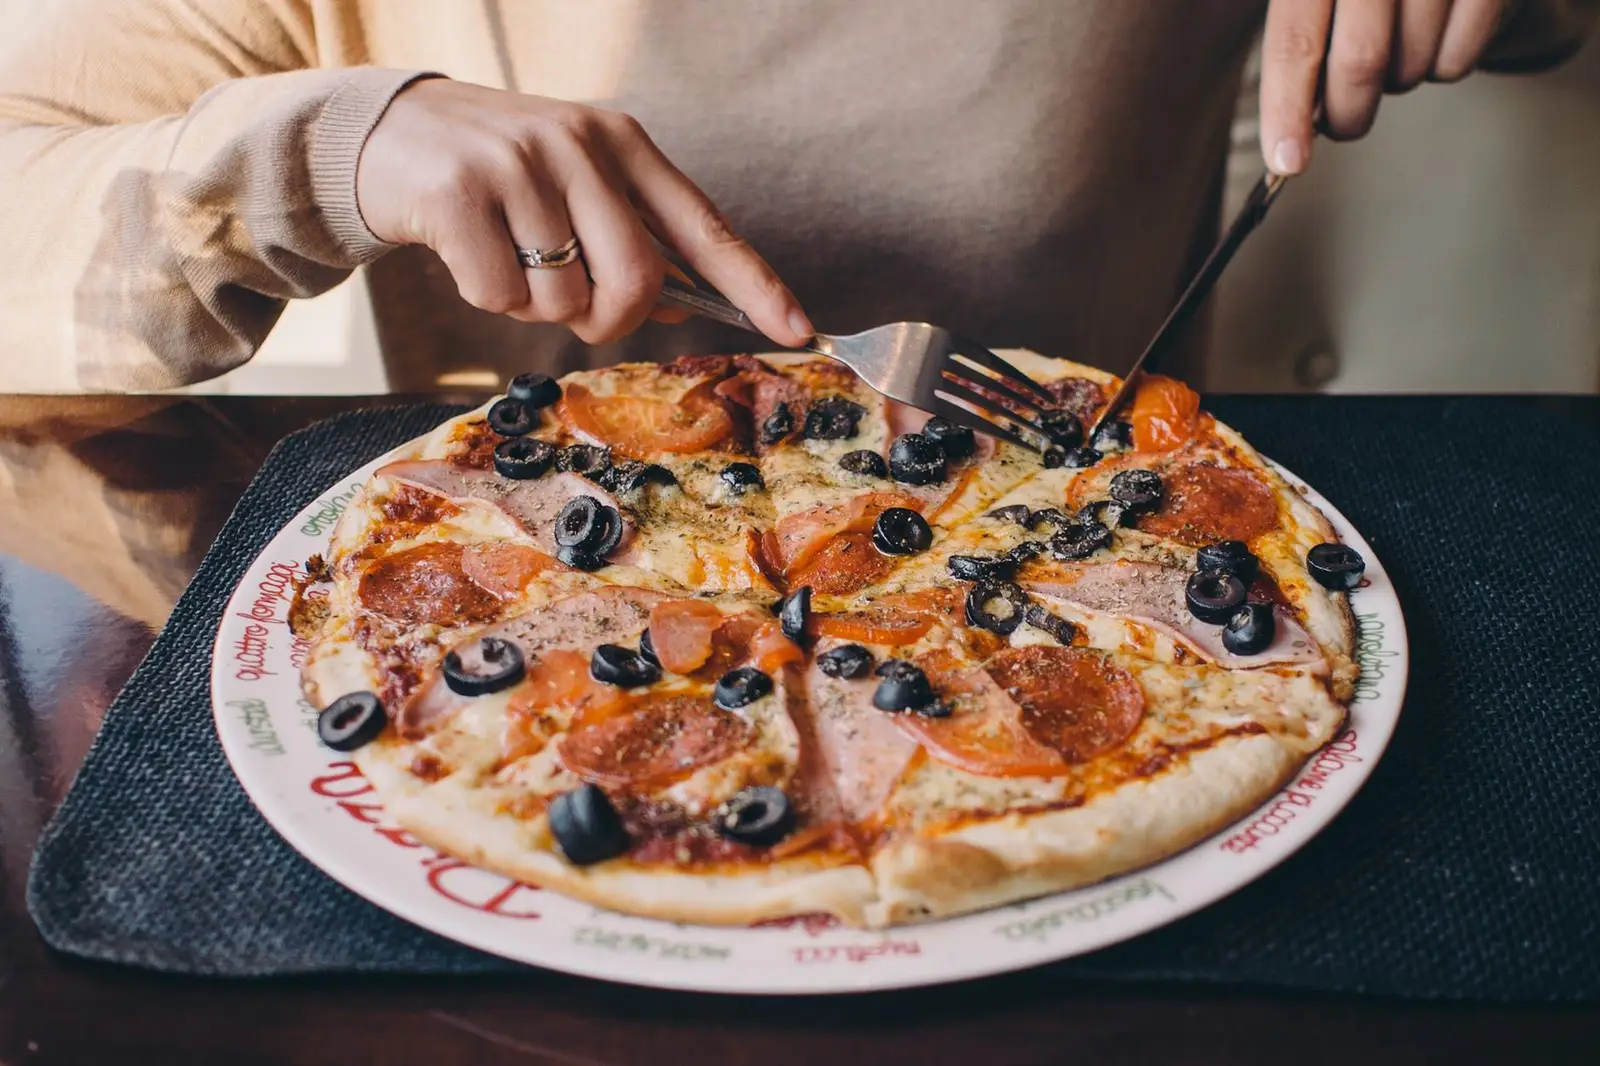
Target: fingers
(1357, 65)
(685, 219)
(624, 264)
(536, 217)
(1420, 25)
(1292, 48)
(1472, 25)
(470, 235)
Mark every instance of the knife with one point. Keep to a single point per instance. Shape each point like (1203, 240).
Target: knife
(1249, 217)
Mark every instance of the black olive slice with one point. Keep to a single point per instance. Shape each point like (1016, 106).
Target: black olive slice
(486, 666)
(1063, 427)
(1078, 458)
(739, 687)
(833, 418)
(1113, 437)
(510, 418)
(903, 687)
(865, 463)
(846, 661)
(1109, 513)
(1230, 557)
(612, 664)
(793, 612)
(586, 826)
(579, 559)
(980, 567)
(1079, 540)
(1039, 617)
(587, 459)
(1023, 551)
(523, 458)
(901, 531)
(760, 815)
(1250, 630)
(956, 441)
(1054, 458)
(581, 523)
(534, 391)
(647, 649)
(742, 477)
(352, 721)
(1048, 516)
(779, 424)
(1213, 596)
(1017, 512)
(1336, 566)
(915, 459)
(631, 475)
(997, 606)
(1138, 490)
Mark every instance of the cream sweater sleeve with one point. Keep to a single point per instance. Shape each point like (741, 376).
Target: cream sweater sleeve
(172, 172)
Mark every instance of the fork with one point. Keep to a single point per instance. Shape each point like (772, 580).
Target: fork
(925, 366)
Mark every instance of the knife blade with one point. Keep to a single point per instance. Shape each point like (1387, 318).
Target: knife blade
(1249, 217)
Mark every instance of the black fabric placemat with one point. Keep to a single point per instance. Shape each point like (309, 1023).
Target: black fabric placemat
(1469, 867)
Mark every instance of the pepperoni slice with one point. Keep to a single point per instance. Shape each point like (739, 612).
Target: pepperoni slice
(1073, 701)
(655, 741)
(847, 563)
(1165, 413)
(681, 632)
(1204, 503)
(985, 734)
(425, 584)
(1081, 396)
(643, 425)
(504, 568)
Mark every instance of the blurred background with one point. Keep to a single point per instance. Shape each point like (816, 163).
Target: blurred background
(1455, 249)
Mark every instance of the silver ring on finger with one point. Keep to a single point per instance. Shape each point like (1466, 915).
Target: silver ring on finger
(550, 258)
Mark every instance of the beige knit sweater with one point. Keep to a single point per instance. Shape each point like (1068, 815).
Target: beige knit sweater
(1033, 172)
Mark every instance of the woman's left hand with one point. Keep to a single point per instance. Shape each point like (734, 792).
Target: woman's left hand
(1348, 53)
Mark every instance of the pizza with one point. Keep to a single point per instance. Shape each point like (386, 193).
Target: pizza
(736, 638)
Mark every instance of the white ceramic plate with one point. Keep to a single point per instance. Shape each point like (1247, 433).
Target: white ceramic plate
(321, 804)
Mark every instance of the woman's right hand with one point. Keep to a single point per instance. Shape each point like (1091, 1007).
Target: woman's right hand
(474, 173)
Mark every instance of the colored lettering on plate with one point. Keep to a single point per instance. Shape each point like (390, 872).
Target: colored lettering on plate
(328, 510)
(253, 715)
(1042, 926)
(1371, 656)
(1338, 754)
(594, 936)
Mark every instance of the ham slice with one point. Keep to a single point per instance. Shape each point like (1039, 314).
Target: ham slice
(861, 751)
(612, 615)
(1154, 595)
(532, 505)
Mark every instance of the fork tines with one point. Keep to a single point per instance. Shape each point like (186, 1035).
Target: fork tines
(1007, 393)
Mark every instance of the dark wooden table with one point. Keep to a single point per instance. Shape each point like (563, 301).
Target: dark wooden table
(106, 506)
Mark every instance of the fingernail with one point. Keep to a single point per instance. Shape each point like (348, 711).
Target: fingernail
(801, 325)
(1288, 157)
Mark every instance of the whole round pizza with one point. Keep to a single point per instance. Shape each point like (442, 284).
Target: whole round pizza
(737, 639)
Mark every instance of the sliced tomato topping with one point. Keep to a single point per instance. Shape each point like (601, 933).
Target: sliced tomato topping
(644, 425)
(847, 563)
(425, 584)
(799, 536)
(504, 568)
(1073, 701)
(655, 741)
(878, 625)
(681, 632)
(560, 679)
(771, 650)
(1202, 503)
(1165, 413)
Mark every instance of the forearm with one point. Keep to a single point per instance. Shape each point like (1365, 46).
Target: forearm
(154, 254)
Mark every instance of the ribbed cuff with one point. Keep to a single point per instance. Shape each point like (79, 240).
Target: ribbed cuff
(336, 140)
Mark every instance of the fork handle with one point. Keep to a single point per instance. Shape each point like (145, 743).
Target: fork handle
(704, 303)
